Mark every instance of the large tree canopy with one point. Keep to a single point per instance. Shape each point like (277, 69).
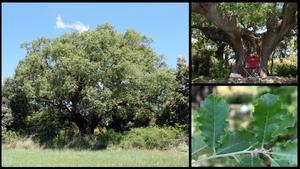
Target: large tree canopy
(96, 78)
(246, 27)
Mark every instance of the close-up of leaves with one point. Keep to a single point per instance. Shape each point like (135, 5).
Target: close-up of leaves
(268, 139)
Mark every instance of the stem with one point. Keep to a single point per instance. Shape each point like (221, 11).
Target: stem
(226, 155)
(199, 150)
(246, 151)
(273, 161)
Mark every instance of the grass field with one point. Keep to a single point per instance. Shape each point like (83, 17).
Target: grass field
(105, 158)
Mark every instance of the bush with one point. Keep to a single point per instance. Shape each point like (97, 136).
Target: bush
(82, 141)
(238, 98)
(9, 137)
(285, 66)
(219, 69)
(46, 126)
(12, 139)
(66, 138)
(79, 141)
(153, 138)
(114, 138)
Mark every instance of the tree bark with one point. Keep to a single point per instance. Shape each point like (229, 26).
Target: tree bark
(85, 126)
(220, 51)
(243, 41)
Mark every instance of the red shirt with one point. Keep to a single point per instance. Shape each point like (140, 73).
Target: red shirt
(252, 61)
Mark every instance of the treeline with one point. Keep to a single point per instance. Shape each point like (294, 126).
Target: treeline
(91, 81)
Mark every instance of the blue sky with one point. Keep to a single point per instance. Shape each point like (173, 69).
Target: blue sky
(165, 23)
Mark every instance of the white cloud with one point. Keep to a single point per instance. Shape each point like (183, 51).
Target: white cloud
(75, 26)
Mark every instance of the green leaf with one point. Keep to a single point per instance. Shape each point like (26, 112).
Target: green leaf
(250, 161)
(212, 114)
(236, 141)
(286, 155)
(286, 121)
(197, 144)
(199, 147)
(267, 118)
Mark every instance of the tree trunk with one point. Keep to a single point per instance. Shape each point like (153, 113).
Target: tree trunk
(85, 126)
(220, 51)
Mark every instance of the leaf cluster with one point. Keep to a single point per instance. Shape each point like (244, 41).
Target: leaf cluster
(257, 146)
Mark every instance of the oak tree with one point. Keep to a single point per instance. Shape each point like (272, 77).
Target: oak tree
(96, 78)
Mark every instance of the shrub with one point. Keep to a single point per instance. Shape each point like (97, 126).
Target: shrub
(9, 137)
(114, 138)
(82, 141)
(45, 126)
(286, 70)
(285, 66)
(13, 139)
(219, 69)
(66, 138)
(152, 138)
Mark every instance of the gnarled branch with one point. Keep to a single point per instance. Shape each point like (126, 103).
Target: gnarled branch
(214, 14)
(278, 28)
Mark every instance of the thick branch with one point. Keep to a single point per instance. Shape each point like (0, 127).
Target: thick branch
(214, 14)
(215, 34)
(278, 28)
(228, 24)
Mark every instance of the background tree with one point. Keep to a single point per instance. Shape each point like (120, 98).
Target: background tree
(6, 115)
(242, 25)
(15, 105)
(95, 78)
(176, 112)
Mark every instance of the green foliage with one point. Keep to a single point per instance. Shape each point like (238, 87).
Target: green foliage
(204, 62)
(44, 125)
(219, 69)
(66, 138)
(250, 161)
(236, 141)
(286, 66)
(94, 78)
(249, 14)
(269, 123)
(8, 137)
(153, 138)
(198, 145)
(83, 141)
(14, 106)
(238, 98)
(6, 115)
(267, 118)
(213, 110)
(285, 153)
(288, 95)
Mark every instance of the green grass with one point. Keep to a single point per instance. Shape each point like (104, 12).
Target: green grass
(105, 158)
